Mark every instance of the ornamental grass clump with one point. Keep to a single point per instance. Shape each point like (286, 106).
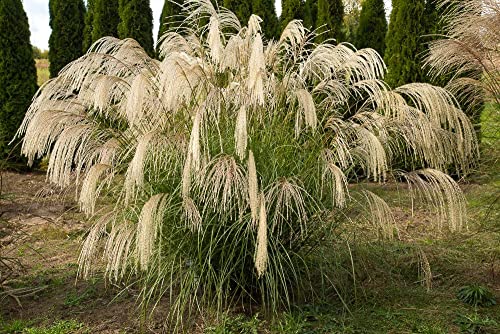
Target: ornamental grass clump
(469, 52)
(213, 175)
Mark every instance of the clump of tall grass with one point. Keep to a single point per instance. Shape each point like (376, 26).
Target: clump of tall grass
(469, 52)
(215, 173)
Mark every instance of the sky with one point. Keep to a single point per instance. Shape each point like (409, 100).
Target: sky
(38, 16)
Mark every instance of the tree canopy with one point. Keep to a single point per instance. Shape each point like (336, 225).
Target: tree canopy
(170, 16)
(310, 14)
(89, 23)
(291, 10)
(242, 8)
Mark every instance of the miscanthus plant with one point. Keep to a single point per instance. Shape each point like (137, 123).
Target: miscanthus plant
(214, 175)
(469, 53)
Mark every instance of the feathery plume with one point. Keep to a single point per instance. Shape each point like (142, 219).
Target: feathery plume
(253, 188)
(148, 227)
(240, 133)
(257, 71)
(90, 189)
(261, 255)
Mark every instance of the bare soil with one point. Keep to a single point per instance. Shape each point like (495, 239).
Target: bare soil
(40, 237)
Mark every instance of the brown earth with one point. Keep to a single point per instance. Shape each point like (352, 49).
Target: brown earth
(40, 239)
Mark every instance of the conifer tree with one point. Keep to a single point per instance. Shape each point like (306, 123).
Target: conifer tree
(242, 9)
(137, 22)
(106, 19)
(310, 14)
(17, 70)
(89, 22)
(266, 9)
(351, 24)
(170, 16)
(67, 20)
(372, 27)
(330, 20)
(291, 10)
(404, 45)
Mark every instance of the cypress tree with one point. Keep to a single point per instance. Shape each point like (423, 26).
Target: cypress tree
(404, 45)
(89, 22)
(291, 10)
(310, 14)
(242, 9)
(372, 27)
(137, 22)
(17, 70)
(67, 20)
(106, 19)
(266, 10)
(330, 20)
(351, 24)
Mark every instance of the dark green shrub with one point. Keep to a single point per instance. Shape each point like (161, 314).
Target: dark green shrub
(476, 295)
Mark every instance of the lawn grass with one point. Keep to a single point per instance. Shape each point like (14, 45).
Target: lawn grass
(42, 71)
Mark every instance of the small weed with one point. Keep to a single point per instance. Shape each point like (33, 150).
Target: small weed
(475, 324)
(291, 323)
(429, 329)
(76, 298)
(235, 325)
(476, 295)
(15, 326)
